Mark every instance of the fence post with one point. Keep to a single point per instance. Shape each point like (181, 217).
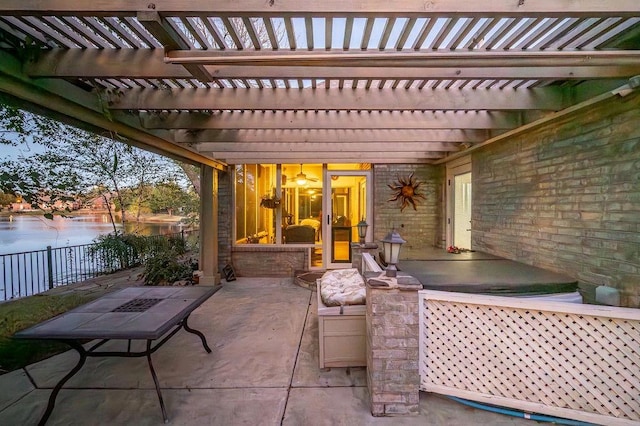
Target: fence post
(50, 267)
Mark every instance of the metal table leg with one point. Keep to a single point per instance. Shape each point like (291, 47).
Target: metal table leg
(52, 398)
(197, 333)
(155, 381)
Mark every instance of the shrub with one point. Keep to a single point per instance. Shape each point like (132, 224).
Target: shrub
(167, 267)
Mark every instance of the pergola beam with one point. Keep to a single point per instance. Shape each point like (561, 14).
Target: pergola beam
(340, 58)
(406, 8)
(335, 120)
(330, 135)
(310, 148)
(547, 98)
(150, 64)
(329, 157)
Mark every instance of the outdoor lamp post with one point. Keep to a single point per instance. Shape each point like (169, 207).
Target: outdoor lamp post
(362, 230)
(391, 248)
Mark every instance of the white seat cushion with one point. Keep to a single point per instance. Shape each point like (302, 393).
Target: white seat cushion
(342, 287)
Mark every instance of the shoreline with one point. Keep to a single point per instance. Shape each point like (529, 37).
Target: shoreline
(145, 218)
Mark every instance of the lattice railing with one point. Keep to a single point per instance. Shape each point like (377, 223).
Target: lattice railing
(568, 360)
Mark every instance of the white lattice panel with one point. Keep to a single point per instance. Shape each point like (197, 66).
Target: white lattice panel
(567, 360)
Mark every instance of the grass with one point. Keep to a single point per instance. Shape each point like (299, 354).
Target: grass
(16, 315)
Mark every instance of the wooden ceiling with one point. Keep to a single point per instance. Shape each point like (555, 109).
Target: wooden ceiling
(295, 81)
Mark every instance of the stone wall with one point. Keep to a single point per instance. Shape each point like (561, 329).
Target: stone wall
(225, 219)
(269, 260)
(393, 378)
(421, 228)
(567, 198)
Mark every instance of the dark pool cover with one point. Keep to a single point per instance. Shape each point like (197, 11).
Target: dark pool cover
(491, 276)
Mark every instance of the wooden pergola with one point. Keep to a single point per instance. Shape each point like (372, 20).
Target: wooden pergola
(301, 81)
(249, 81)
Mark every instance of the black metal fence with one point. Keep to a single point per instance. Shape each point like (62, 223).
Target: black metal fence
(32, 272)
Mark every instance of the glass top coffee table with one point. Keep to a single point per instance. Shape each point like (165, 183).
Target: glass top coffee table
(154, 314)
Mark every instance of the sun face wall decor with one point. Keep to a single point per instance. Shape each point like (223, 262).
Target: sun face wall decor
(405, 192)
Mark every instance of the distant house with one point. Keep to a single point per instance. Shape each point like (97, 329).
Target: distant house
(100, 202)
(20, 206)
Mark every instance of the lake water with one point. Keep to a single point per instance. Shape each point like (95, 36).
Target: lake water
(28, 273)
(21, 233)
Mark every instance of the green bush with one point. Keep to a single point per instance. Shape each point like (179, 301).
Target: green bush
(119, 251)
(167, 267)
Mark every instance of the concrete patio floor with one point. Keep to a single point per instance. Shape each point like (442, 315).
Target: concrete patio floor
(263, 371)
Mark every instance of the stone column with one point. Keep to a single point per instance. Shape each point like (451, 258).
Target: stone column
(392, 345)
(356, 253)
(208, 227)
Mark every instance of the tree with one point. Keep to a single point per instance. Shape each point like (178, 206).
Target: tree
(71, 161)
(6, 199)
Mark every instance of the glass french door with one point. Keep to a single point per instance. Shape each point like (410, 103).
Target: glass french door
(346, 201)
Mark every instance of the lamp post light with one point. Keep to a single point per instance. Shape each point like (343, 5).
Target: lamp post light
(362, 231)
(391, 248)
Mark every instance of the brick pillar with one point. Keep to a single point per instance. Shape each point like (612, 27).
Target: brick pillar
(356, 253)
(392, 345)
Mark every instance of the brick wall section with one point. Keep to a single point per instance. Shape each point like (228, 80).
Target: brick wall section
(421, 228)
(225, 217)
(357, 250)
(269, 260)
(393, 378)
(567, 198)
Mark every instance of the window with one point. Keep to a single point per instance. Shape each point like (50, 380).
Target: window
(255, 223)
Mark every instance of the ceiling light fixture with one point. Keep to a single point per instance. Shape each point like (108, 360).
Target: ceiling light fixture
(301, 178)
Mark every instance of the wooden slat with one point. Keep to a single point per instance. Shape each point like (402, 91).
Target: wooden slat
(25, 28)
(507, 26)
(588, 26)
(308, 25)
(134, 26)
(463, 32)
(333, 7)
(273, 39)
(42, 27)
(443, 33)
(386, 33)
(195, 32)
(86, 31)
(536, 34)
(68, 32)
(348, 29)
(477, 35)
(328, 33)
(609, 26)
(424, 32)
(479, 38)
(215, 33)
(115, 26)
(252, 32)
(233, 33)
(517, 35)
(100, 27)
(291, 34)
(366, 36)
(561, 30)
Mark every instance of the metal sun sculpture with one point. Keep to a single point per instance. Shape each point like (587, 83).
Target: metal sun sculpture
(405, 191)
